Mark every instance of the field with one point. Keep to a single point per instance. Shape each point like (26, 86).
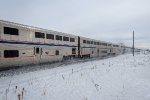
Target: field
(123, 77)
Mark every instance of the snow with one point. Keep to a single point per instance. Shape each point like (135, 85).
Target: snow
(118, 78)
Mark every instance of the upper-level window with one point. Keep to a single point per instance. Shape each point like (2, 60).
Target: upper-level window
(50, 36)
(104, 51)
(84, 41)
(65, 38)
(94, 43)
(115, 45)
(11, 53)
(97, 43)
(104, 44)
(39, 35)
(88, 42)
(72, 39)
(58, 37)
(91, 42)
(11, 31)
(109, 44)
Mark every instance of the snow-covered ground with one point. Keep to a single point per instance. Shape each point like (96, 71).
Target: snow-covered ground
(119, 78)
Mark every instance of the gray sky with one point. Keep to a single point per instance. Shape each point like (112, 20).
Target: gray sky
(107, 20)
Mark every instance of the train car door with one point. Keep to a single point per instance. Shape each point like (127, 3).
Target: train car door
(98, 52)
(79, 48)
(37, 53)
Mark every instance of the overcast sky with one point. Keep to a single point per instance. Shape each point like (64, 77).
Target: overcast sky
(107, 20)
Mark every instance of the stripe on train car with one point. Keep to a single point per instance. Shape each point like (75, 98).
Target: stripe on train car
(97, 48)
(29, 43)
(37, 43)
(19, 57)
(33, 56)
(29, 56)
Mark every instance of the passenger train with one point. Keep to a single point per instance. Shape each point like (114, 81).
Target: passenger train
(25, 45)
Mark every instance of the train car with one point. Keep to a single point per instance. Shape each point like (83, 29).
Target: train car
(22, 45)
(128, 49)
(109, 46)
(105, 48)
(87, 47)
(94, 48)
(116, 49)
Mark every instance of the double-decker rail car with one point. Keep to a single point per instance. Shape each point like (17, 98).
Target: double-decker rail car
(128, 49)
(94, 48)
(109, 46)
(105, 48)
(116, 49)
(87, 47)
(24, 45)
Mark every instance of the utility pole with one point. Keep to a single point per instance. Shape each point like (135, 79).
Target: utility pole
(133, 43)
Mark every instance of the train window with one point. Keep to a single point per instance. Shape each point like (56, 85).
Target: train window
(84, 41)
(39, 35)
(58, 37)
(97, 50)
(37, 50)
(57, 52)
(91, 42)
(11, 31)
(115, 45)
(72, 39)
(92, 52)
(97, 43)
(50, 36)
(65, 38)
(104, 44)
(94, 43)
(11, 53)
(103, 51)
(109, 44)
(73, 50)
(88, 42)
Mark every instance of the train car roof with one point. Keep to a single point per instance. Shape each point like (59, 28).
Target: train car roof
(34, 28)
(100, 41)
(46, 30)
